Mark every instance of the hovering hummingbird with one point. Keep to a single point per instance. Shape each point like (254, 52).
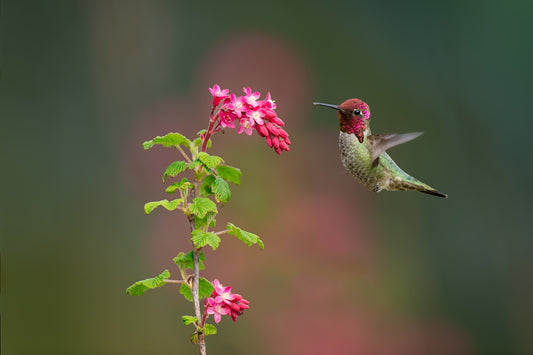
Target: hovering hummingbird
(364, 155)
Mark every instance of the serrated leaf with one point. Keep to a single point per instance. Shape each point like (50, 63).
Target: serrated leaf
(168, 140)
(186, 261)
(140, 287)
(185, 290)
(247, 237)
(209, 329)
(205, 289)
(183, 185)
(200, 239)
(221, 190)
(189, 319)
(169, 205)
(201, 205)
(205, 187)
(229, 173)
(174, 169)
(209, 160)
(208, 220)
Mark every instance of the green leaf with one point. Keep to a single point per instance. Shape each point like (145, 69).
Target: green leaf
(205, 289)
(247, 237)
(208, 220)
(205, 187)
(185, 290)
(208, 160)
(221, 190)
(194, 338)
(174, 169)
(229, 173)
(169, 205)
(185, 261)
(197, 142)
(140, 287)
(169, 140)
(200, 239)
(189, 319)
(209, 329)
(183, 185)
(193, 164)
(201, 205)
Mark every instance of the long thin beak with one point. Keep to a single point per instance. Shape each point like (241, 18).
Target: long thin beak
(327, 105)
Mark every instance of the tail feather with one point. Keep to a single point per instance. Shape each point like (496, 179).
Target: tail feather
(410, 183)
(434, 193)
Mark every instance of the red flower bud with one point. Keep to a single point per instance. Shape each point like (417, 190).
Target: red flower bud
(277, 121)
(263, 132)
(282, 133)
(275, 142)
(283, 146)
(269, 141)
(272, 128)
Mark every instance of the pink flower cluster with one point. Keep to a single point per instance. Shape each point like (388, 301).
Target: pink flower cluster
(251, 113)
(223, 302)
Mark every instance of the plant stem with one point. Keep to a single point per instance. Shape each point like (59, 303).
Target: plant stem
(196, 298)
(196, 280)
(209, 132)
(184, 155)
(174, 281)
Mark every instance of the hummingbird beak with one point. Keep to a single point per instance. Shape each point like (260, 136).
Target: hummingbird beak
(327, 105)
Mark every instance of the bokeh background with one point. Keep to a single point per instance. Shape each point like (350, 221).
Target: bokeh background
(344, 271)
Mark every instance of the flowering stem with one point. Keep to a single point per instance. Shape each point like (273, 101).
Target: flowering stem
(210, 131)
(196, 280)
(196, 298)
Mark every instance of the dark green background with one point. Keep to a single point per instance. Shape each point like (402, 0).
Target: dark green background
(344, 271)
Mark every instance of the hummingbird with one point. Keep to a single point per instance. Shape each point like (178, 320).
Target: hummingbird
(364, 155)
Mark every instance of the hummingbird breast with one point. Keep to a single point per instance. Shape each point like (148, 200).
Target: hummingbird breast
(356, 158)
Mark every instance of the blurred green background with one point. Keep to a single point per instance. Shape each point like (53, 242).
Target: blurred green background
(344, 271)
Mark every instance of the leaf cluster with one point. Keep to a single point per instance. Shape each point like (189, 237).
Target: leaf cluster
(198, 200)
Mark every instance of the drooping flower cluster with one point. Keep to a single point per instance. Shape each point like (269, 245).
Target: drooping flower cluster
(251, 113)
(222, 302)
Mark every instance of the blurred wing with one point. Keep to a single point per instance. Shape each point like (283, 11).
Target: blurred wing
(381, 142)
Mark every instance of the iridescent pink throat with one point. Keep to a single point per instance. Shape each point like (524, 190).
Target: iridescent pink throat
(352, 124)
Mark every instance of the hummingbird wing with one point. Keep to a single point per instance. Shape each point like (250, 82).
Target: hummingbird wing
(381, 142)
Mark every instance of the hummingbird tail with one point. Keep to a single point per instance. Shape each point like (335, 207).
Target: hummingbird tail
(410, 183)
(434, 193)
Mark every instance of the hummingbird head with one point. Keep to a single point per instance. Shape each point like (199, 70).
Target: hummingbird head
(353, 116)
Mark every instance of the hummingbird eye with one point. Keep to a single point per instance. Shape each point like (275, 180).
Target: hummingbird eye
(357, 112)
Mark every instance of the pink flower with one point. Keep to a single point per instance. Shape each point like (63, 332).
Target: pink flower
(251, 97)
(217, 309)
(268, 102)
(256, 115)
(223, 302)
(227, 118)
(234, 104)
(218, 95)
(251, 113)
(246, 125)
